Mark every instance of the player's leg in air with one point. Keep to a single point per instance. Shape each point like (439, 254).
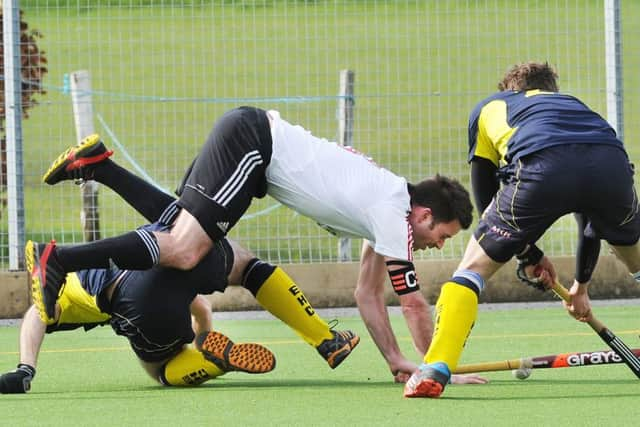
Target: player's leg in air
(219, 187)
(271, 286)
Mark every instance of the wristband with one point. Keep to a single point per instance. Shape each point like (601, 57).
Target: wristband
(27, 368)
(531, 256)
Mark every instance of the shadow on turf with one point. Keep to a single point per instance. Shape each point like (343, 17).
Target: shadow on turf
(213, 385)
(545, 395)
(288, 383)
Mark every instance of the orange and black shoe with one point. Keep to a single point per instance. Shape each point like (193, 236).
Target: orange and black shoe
(47, 278)
(428, 380)
(76, 163)
(336, 349)
(228, 356)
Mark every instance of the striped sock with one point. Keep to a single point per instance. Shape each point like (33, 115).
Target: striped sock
(136, 250)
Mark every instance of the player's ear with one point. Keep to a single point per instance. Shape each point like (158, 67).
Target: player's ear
(421, 213)
(426, 214)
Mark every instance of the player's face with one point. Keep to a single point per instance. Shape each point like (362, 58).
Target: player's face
(431, 234)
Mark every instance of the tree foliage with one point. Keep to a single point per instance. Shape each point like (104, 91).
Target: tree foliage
(33, 67)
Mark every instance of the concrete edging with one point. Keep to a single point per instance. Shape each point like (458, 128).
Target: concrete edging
(333, 284)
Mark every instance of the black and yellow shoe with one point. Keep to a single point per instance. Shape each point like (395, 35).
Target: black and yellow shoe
(228, 356)
(336, 349)
(47, 278)
(75, 162)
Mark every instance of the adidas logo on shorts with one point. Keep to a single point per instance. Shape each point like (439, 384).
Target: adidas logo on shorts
(223, 226)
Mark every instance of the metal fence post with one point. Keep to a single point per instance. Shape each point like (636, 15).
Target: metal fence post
(613, 61)
(345, 137)
(13, 112)
(83, 118)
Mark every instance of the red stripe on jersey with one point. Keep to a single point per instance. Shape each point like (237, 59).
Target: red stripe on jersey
(409, 241)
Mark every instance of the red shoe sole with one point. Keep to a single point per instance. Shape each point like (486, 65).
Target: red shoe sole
(426, 388)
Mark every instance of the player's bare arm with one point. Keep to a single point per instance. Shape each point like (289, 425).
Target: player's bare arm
(201, 315)
(417, 314)
(369, 296)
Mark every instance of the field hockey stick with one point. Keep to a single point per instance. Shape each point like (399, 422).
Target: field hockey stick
(616, 344)
(563, 360)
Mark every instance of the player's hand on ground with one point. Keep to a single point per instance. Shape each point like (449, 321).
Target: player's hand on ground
(401, 377)
(402, 370)
(468, 379)
(579, 305)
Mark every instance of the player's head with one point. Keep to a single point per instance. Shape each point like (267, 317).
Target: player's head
(440, 208)
(529, 76)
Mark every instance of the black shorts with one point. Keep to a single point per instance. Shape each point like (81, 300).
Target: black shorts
(596, 180)
(151, 307)
(229, 171)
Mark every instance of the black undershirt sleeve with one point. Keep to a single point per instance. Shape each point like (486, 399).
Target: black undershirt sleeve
(587, 252)
(484, 182)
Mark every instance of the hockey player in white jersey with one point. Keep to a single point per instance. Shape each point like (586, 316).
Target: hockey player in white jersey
(251, 153)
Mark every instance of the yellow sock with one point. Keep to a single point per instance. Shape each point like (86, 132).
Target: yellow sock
(456, 311)
(282, 298)
(189, 367)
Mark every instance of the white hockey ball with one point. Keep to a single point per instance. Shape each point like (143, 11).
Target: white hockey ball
(522, 373)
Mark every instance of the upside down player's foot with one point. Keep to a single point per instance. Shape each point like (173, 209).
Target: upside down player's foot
(47, 278)
(76, 162)
(228, 356)
(428, 380)
(336, 349)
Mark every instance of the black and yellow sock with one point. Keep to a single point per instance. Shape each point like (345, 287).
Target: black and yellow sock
(278, 293)
(187, 368)
(456, 311)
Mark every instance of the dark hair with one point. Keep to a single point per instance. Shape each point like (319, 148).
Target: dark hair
(528, 76)
(446, 197)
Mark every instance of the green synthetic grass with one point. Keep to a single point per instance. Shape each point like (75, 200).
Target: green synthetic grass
(93, 379)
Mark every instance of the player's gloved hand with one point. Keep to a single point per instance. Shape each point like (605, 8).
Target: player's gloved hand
(531, 256)
(18, 380)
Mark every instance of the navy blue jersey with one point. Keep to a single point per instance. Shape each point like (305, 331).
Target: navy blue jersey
(509, 125)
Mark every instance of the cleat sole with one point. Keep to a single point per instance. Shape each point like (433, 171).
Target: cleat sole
(426, 388)
(228, 356)
(31, 253)
(251, 358)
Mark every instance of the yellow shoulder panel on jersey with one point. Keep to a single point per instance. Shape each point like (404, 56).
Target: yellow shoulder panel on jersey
(493, 132)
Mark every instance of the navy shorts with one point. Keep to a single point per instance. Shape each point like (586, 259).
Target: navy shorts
(229, 171)
(151, 308)
(538, 189)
